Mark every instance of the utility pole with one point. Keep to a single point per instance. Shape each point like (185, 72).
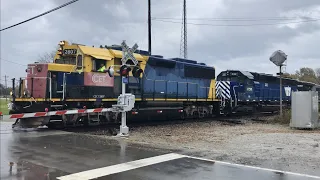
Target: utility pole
(149, 26)
(6, 86)
(280, 75)
(183, 43)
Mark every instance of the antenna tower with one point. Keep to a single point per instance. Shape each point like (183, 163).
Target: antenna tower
(183, 42)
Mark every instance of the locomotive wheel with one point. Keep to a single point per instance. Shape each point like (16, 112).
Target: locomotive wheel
(182, 116)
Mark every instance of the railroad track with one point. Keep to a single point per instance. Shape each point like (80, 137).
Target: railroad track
(111, 128)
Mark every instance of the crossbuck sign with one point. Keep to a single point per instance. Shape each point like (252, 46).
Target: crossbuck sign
(127, 53)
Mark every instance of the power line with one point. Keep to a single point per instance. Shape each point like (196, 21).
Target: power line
(237, 19)
(13, 62)
(204, 24)
(47, 12)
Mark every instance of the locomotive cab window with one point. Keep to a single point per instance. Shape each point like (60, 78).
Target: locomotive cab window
(249, 82)
(66, 60)
(79, 62)
(98, 64)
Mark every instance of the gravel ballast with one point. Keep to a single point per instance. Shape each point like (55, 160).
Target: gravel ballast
(258, 144)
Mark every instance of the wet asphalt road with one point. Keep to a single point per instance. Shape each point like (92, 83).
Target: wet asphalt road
(47, 155)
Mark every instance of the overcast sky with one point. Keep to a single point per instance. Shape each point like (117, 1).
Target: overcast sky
(214, 36)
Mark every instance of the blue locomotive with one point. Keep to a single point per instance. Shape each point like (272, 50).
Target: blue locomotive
(251, 91)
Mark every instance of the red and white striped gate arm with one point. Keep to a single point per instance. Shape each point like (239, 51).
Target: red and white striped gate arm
(52, 113)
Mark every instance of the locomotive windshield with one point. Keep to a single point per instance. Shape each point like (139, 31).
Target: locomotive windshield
(68, 57)
(66, 60)
(232, 76)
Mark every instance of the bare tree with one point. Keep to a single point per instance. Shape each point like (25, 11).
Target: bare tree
(47, 57)
(318, 75)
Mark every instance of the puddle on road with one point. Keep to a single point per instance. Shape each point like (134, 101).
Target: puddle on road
(29, 171)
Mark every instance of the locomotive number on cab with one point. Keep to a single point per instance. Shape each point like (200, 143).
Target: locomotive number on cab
(70, 51)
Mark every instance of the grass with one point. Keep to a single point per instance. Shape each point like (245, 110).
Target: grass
(285, 119)
(3, 106)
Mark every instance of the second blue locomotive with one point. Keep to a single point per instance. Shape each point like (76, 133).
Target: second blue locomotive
(243, 91)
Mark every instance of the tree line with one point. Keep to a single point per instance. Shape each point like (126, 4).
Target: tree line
(5, 91)
(305, 74)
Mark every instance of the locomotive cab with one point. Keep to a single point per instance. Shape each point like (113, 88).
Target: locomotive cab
(238, 84)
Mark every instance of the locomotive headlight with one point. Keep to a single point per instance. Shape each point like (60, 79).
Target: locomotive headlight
(61, 43)
(39, 68)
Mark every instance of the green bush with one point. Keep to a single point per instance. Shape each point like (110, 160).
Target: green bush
(3, 106)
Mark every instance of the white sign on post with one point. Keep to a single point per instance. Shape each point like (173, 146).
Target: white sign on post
(278, 58)
(127, 53)
(287, 90)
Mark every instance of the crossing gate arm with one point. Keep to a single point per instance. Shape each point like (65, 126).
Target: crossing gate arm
(52, 113)
(125, 104)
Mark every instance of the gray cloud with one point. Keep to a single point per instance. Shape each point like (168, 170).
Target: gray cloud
(109, 22)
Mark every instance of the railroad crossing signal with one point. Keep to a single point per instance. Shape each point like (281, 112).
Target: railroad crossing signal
(127, 53)
(278, 58)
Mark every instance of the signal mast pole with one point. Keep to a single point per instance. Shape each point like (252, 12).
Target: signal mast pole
(124, 130)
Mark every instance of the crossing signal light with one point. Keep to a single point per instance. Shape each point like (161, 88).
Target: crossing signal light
(124, 70)
(136, 72)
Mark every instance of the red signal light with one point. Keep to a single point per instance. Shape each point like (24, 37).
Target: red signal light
(124, 70)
